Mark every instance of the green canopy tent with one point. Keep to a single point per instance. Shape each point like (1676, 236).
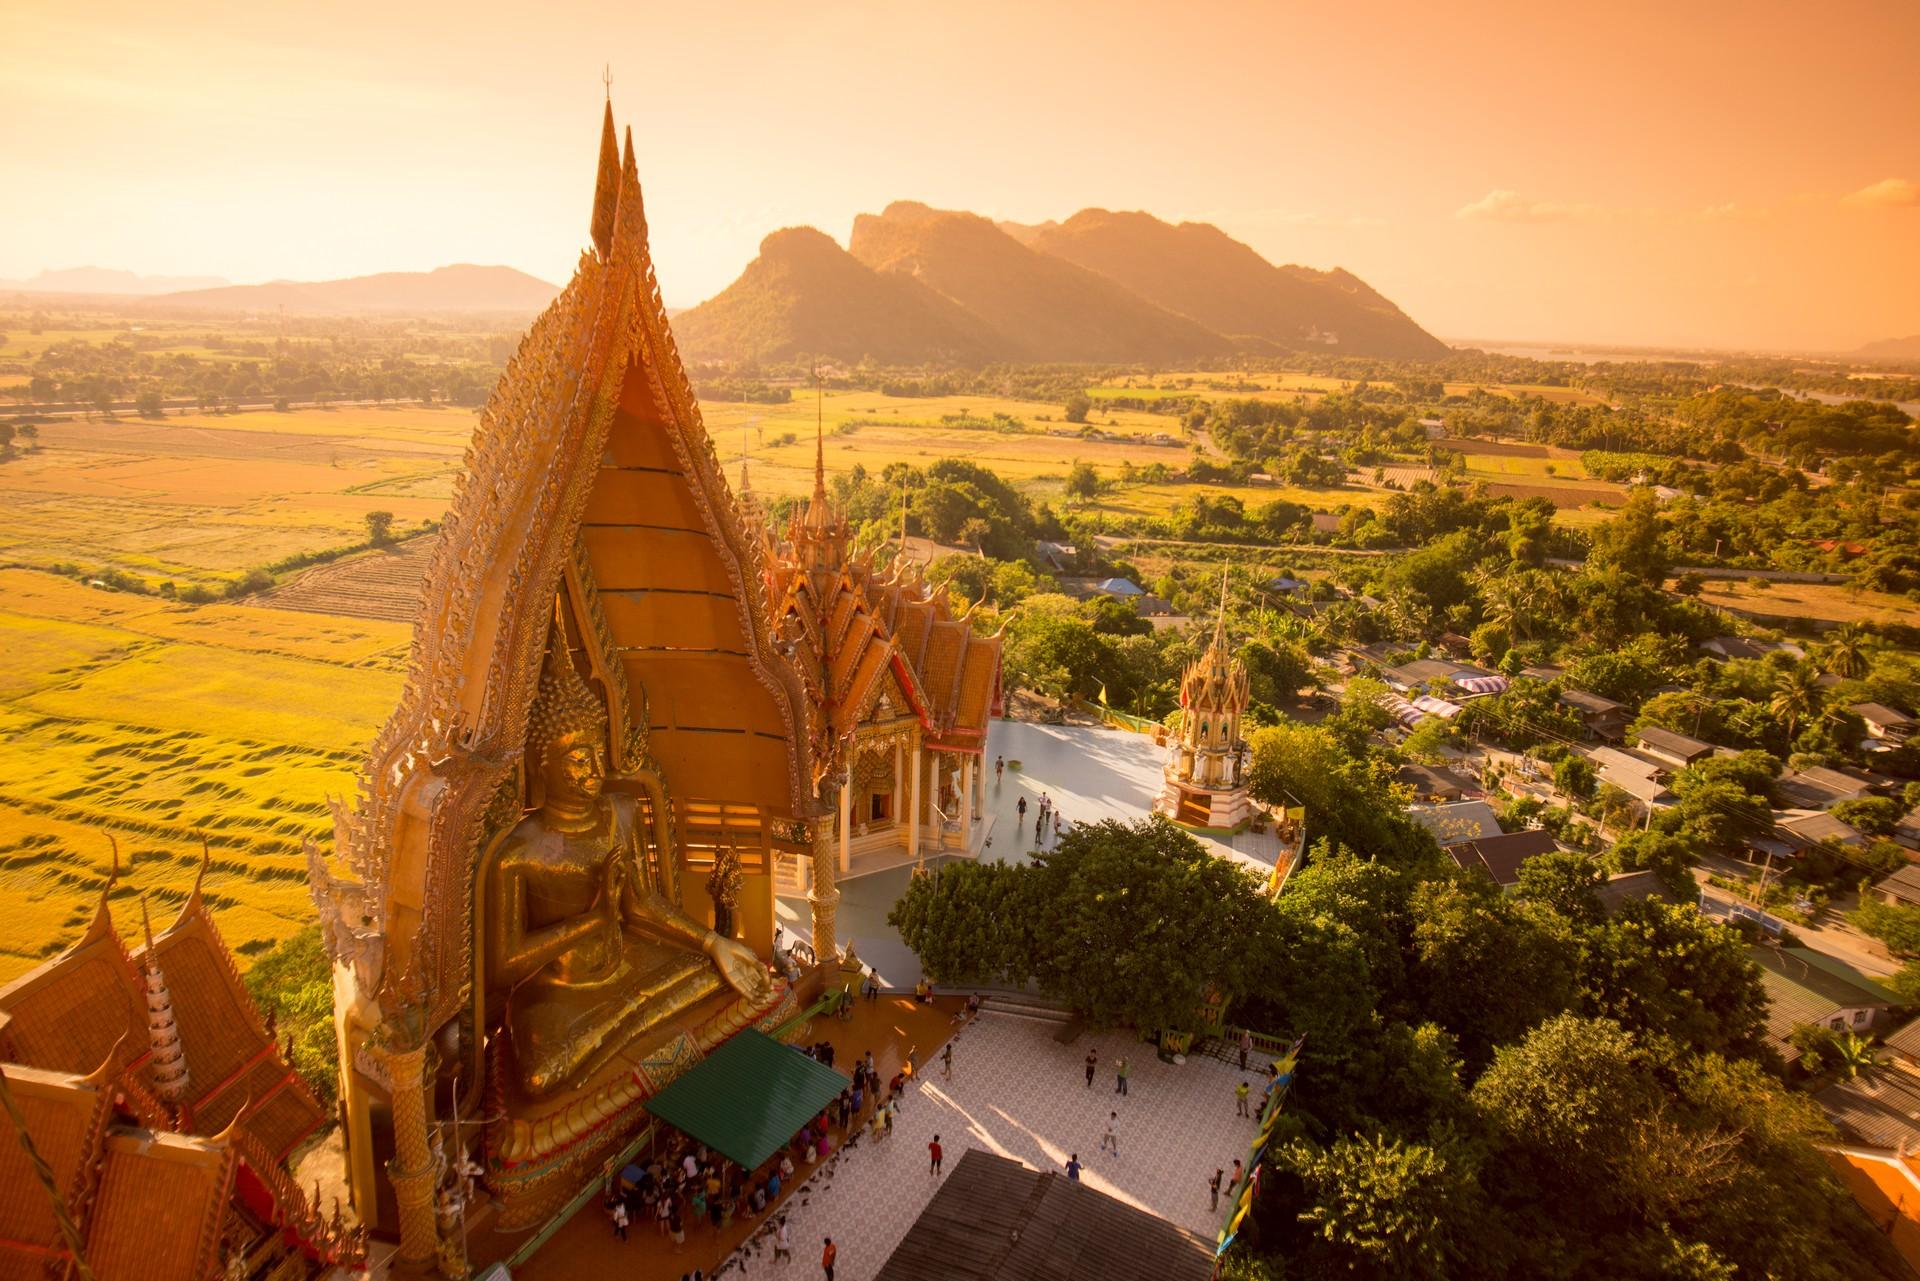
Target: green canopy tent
(747, 1099)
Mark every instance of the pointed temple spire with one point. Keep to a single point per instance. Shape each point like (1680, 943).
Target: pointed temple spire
(169, 1064)
(606, 187)
(819, 439)
(1220, 619)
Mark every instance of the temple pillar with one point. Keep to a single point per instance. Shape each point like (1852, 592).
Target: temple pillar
(913, 804)
(846, 825)
(413, 1170)
(899, 777)
(825, 895)
(969, 797)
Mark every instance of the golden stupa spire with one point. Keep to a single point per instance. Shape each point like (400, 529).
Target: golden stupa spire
(606, 187)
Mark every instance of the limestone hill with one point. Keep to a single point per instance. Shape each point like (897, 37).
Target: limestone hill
(1047, 308)
(1198, 271)
(805, 295)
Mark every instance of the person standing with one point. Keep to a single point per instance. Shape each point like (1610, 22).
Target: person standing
(1120, 1071)
(1021, 809)
(1093, 1062)
(1240, 1098)
(1213, 1190)
(1111, 1139)
(782, 1244)
(1056, 826)
(999, 769)
(828, 1254)
(1246, 1047)
(620, 1218)
(1234, 1182)
(934, 1154)
(946, 1062)
(1073, 1168)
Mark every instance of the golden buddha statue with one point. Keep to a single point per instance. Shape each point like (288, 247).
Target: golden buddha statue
(583, 936)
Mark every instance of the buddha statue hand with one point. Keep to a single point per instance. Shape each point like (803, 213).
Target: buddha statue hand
(738, 965)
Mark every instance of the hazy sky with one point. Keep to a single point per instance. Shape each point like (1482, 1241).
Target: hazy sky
(1738, 172)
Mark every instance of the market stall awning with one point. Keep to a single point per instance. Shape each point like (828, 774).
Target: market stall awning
(748, 1098)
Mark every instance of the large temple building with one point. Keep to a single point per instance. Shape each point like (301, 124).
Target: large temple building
(906, 690)
(161, 1113)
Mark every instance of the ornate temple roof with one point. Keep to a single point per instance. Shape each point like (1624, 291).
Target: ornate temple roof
(146, 1178)
(1216, 681)
(852, 624)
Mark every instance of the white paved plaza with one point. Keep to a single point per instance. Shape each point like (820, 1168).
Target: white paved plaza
(1090, 773)
(1017, 1092)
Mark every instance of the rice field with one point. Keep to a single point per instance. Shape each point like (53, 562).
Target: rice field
(1825, 602)
(155, 722)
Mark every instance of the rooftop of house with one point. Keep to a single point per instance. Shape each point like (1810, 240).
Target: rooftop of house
(1805, 986)
(1500, 857)
(1903, 882)
(1456, 823)
(1681, 746)
(1879, 1108)
(1880, 714)
(1816, 827)
(1588, 702)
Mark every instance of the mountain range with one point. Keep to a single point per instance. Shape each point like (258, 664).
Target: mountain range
(461, 287)
(107, 280)
(1892, 349)
(922, 284)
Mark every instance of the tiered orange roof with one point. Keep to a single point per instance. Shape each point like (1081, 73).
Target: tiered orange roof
(150, 1183)
(851, 624)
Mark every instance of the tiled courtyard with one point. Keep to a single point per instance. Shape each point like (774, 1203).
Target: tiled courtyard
(1090, 773)
(1017, 1092)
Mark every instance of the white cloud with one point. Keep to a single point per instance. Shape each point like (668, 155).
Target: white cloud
(1888, 193)
(1504, 205)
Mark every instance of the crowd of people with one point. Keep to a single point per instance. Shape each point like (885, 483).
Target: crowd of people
(689, 1188)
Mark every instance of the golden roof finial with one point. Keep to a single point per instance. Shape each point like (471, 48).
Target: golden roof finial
(1220, 619)
(146, 928)
(606, 186)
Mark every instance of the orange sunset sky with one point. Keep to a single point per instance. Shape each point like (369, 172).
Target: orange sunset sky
(1715, 173)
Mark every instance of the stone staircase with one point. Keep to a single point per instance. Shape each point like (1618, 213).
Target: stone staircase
(1019, 1005)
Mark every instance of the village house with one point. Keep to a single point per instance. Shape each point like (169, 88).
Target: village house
(1601, 718)
(1675, 750)
(1901, 887)
(1884, 722)
(1500, 857)
(1805, 987)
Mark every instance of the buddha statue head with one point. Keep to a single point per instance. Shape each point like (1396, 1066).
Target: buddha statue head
(567, 736)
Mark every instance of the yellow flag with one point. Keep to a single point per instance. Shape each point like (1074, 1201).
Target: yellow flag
(1103, 693)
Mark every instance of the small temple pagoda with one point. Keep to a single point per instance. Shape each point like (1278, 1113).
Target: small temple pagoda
(1206, 784)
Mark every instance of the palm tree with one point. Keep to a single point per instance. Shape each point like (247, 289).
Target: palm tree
(1796, 698)
(1846, 652)
(1854, 1052)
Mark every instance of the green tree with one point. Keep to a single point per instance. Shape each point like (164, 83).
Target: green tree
(1464, 928)
(1079, 404)
(1797, 698)
(294, 981)
(1371, 1206)
(149, 403)
(379, 528)
(1083, 483)
(1660, 970)
(1563, 882)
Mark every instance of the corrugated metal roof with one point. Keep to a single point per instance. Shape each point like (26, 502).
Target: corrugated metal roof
(748, 1098)
(995, 1220)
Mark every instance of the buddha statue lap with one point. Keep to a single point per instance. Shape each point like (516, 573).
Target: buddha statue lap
(585, 943)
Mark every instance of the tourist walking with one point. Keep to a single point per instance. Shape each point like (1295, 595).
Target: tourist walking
(999, 769)
(1246, 1047)
(934, 1153)
(1093, 1063)
(620, 1218)
(782, 1244)
(827, 1257)
(1234, 1182)
(1120, 1071)
(1213, 1190)
(1240, 1098)
(1056, 826)
(1111, 1139)
(1039, 825)
(946, 1062)
(1073, 1168)
(1021, 809)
